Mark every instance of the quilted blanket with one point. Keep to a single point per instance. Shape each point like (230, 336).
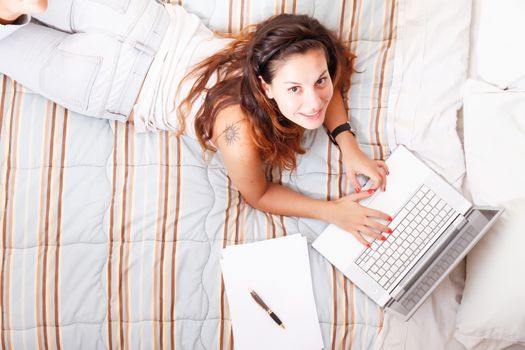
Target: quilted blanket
(112, 239)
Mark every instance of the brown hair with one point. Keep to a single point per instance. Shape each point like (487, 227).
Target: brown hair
(252, 54)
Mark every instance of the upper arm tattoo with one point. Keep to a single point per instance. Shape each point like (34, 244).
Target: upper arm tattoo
(231, 133)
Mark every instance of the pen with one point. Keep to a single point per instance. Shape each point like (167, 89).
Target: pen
(262, 304)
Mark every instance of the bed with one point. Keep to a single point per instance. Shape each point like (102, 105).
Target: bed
(112, 238)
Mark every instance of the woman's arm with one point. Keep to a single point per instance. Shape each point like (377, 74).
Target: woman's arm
(246, 170)
(355, 161)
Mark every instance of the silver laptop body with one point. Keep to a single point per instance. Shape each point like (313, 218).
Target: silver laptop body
(434, 227)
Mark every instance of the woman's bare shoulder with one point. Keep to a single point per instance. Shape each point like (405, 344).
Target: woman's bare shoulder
(230, 126)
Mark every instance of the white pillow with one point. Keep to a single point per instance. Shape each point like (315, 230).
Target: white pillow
(499, 51)
(492, 311)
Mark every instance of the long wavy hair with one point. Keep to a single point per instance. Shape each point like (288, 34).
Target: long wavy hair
(255, 52)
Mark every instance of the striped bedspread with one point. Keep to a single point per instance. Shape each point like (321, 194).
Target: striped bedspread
(111, 239)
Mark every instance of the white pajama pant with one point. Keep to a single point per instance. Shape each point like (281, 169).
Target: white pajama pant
(90, 56)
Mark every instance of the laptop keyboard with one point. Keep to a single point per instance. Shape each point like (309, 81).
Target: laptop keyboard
(422, 217)
(439, 267)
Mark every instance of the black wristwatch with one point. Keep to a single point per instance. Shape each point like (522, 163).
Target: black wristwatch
(343, 127)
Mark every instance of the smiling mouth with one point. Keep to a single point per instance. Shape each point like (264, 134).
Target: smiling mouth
(312, 116)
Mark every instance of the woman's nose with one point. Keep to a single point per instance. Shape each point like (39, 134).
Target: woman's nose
(314, 101)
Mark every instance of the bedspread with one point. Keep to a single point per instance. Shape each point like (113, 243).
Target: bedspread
(111, 239)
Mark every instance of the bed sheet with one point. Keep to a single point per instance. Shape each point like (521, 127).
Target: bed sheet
(111, 239)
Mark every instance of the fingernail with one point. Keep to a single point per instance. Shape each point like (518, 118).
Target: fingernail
(383, 238)
(358, 189)
(368, 245)
(389, 231)
(390, 218)
(371, 191)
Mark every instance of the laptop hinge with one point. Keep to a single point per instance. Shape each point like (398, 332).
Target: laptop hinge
(397, 293)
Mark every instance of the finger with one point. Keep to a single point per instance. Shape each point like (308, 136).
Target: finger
(353, 180)
(356, 197)
(378, 214)
(378, 226)
(384, 166)
(361, 239)
(383, 169)
(369, 232)
(383, 179)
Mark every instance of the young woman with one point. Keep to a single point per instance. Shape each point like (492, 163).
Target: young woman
(250, 97)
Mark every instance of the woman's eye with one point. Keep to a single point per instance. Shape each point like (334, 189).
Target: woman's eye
(294, 89)
(321, 81)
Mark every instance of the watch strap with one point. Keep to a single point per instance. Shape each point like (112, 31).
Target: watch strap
(339, 129)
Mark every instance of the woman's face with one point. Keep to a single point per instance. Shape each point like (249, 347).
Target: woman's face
(302, 88)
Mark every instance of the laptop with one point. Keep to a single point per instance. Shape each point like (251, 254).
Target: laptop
(433, 226)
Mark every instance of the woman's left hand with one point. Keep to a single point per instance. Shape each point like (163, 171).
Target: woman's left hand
(358, 163)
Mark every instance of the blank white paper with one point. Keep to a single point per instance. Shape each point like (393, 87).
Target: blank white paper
(279, 271)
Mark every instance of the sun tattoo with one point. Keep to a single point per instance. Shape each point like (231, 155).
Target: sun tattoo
(231, 134)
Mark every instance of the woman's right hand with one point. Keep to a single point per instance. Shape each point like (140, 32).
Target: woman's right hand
(348, 214)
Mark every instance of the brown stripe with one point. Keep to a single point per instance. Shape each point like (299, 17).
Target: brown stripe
(283, 226)
(2, 101)
(380, 318)
(59, 223)
(13, 140)
(269, 217)
(242, 15)
(41, 221)
(353, 24)
(174, 248)
(163, 238)
(237, 217)
(16, 108)
(329, 170)
(123, 238)
(340, 194)
(225, 238)
(158, 233)
(340, 176)
(334, 287)
(129, 230)
(382, 78)
(46, 225)
(111, 228)
(346, 322)
(354, 32)
(248, 12)
(221, 316)
(342, 19)
(294, 10)
(352, 327)
(230, 14)
(12, 229)
(3, 307)
(374, 113)
(328, 198)
(283, 5)
(281, 217)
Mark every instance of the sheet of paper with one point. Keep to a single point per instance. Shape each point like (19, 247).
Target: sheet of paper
(279, 271)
